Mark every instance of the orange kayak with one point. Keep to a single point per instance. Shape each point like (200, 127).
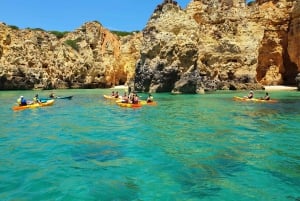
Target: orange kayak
(34, 105)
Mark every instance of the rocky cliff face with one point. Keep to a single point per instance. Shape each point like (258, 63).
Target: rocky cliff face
(215, 45)
(294, 37)
(89, 57)
(293, 42)
(274, 64)
(212, 44)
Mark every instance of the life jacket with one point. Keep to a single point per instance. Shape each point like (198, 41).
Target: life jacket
(23, 101)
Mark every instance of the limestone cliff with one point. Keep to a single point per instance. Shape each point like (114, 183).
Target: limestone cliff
(215, 45)
(293, 42)
(211, 44)
(294, 37)
(274, 64)
(89, 57)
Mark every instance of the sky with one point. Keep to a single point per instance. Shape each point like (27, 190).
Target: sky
(67, 15)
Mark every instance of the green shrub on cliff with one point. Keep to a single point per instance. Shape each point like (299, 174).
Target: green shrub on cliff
(13, 27)
(73, 43)
(123, 33)
(59, 34)
(36, 29)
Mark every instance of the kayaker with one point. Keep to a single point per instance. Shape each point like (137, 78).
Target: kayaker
(36, 99)
(117, 95)
(149, 99)
(130, 97)
(266, 97)
(22, 101)
(135, 99)
(124, 98)
(52, 95)
(250, 95)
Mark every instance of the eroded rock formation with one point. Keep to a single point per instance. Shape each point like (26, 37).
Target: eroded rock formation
(211, 44)
(216, 45)
(89, 57)
(294, 38)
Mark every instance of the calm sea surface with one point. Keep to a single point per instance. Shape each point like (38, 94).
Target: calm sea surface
(188, 147)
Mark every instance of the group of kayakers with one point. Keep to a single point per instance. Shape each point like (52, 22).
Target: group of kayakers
(132, 97)
(251, 95)
(22, 101)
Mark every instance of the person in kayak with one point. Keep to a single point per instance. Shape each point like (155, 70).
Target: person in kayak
(116, 95)
(36, 99)
(125, 98)
(52, 95)
(266, 97)
(112, 94)
(125, 94)
(149, 99)
(22, 101)
(135, 99)
(250, 95)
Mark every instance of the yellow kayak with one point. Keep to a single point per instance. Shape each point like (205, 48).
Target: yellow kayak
(243, 99)
(143, 102)
(129, 105)
(34, 105)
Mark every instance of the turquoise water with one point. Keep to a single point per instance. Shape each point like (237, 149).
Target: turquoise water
(188, 147)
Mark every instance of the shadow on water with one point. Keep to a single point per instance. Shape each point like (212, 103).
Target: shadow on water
(99, 153)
